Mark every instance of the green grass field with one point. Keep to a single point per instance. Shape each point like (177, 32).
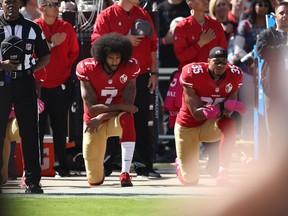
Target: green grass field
(22, 205)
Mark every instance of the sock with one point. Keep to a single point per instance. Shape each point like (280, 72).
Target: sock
(127, 151)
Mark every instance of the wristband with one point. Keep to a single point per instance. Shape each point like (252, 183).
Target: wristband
(154, 73)
(163, 41)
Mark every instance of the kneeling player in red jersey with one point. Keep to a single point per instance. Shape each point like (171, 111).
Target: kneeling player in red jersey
(209, 97)
(108, 89)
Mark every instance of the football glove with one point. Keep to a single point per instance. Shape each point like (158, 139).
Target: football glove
(234, 105)
(211, 112)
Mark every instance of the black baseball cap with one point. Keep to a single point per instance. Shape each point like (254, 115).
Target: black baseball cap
(12, 48)
(218, 52)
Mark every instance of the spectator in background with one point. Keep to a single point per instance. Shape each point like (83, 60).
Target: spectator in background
(272, 46)
(209, 97)
(193, 38)
(30, 10)
(123, 17)
(56, 89)
(244, 42)
(219, 10)
(108, 89)
(18, 86)
(237, 8)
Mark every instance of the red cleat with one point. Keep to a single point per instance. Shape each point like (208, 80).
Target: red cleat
(125, 180)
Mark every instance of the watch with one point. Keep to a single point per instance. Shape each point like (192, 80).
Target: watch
(52, 45)
(154, 73)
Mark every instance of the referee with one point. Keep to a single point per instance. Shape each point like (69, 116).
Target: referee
(18, 86)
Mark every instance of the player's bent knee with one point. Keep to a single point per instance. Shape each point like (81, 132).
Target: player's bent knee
(95, 180)
(97, 183)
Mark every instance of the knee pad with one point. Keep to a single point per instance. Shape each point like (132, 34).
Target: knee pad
(128, 129)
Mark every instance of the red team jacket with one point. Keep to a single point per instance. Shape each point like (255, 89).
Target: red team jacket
(108, 89)
(63, 56)
(196, 76)
(187, 34)
(116, 19)
(173, 99)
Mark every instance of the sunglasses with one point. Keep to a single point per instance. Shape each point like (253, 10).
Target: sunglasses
(52, 4)
(220, 63)
(262, 5)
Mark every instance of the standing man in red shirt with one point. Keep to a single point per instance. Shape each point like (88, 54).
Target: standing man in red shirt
(108, 89)
(122, 17)
(209, 97)
(56, 88)
(197, 34)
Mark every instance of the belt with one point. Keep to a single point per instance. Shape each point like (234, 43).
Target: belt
(19, 74)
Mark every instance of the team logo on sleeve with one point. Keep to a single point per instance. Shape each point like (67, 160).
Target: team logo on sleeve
(228, 88)
(123, 78)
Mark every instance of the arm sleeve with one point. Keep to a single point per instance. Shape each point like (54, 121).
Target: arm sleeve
(100, 27)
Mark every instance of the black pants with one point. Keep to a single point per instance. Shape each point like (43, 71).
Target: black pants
(56, 101)
(143, 149)
(22, 93)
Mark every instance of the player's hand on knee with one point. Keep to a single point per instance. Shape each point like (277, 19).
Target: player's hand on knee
(211, 112)
(234, 105)
(130, 108)
(93, 125)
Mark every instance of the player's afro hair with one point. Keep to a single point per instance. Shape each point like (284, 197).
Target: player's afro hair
(112, 43)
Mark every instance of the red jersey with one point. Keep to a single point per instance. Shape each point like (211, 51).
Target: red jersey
(108, 89)
(116, 19)
(197, 76)
(187, 34)
(62, 56)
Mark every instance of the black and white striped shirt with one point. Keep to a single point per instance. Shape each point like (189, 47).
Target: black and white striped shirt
(35, 44)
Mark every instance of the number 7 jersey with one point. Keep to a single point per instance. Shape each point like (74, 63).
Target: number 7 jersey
(108, 89)
(196, 76)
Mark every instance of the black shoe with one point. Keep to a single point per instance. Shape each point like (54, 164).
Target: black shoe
(62, 173)
(33, 189)
(151, 174)
(108, 172)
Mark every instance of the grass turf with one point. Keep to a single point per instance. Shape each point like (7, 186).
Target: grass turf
(20, 205)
